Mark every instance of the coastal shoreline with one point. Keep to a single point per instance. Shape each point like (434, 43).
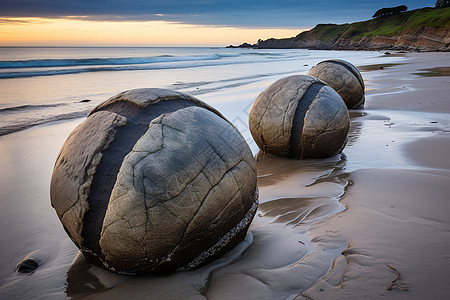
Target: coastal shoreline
(371, 222)
(386, 48)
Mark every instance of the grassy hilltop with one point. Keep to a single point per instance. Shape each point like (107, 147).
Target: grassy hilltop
(420, 29)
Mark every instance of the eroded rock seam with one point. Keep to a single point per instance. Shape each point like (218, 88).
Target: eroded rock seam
(295, 149)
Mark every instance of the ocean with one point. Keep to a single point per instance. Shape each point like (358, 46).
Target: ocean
(41, 85)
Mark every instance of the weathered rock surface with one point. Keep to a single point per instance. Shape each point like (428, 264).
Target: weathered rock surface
(344, 78)
(427, 39)
(299, 117)
(152, 181)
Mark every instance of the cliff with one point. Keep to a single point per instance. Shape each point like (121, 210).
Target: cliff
(426, 29)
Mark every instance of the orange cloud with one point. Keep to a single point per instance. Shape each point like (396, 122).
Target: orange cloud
(76, 32)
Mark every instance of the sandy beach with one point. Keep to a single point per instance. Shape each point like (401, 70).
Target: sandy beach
(370, 223)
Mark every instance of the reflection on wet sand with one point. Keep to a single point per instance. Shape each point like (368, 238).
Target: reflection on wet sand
(294, 211)
(375, 67)
(81, 282)
(295, 192)
(272, 170)
(354, 132)
(357, 118)
(85, 281)
(433, 72)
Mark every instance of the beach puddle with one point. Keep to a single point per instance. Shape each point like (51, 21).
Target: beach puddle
(376, 67)
(433, 72)
(296, 211)
(299, 192)
(397, 54)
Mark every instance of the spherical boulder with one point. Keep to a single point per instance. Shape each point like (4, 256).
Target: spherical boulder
(154, 181)
(299, 117)
(344, 78)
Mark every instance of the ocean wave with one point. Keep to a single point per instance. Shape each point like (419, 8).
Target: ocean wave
(21, 117)
(48, 63)
(51, 67)
(171, 65)
(7, 75)
(24, 124)
(264, 54)
(21, 108)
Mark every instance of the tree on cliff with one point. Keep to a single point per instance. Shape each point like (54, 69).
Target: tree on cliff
(389, 11)
(442, 3)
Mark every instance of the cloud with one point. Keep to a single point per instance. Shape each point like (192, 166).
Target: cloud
(20, 21)
(246, 13)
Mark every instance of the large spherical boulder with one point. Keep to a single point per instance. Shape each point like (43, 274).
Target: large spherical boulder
(299, 117)
(344, 78)
(154, 181)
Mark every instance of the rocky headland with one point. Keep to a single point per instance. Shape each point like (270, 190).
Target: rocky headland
(425, 29)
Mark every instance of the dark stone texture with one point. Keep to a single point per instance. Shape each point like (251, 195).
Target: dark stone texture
(299, 118)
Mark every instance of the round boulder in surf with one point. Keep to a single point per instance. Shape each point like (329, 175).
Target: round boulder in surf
(154, 181)
(344, 78)
(299, 117)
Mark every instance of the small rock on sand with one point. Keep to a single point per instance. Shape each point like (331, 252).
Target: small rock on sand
(27, 265)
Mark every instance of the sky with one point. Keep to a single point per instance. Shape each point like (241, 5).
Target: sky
(172, 22)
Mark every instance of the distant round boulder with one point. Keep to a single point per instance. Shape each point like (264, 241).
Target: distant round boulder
(299, 117)
(344, 78)
(154, 181)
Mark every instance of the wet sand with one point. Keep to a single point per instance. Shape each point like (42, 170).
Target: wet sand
(371, 223)
(397, 230)
(353, 226)
(396, 222)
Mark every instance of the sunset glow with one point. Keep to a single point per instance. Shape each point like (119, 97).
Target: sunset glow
(76, 32)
